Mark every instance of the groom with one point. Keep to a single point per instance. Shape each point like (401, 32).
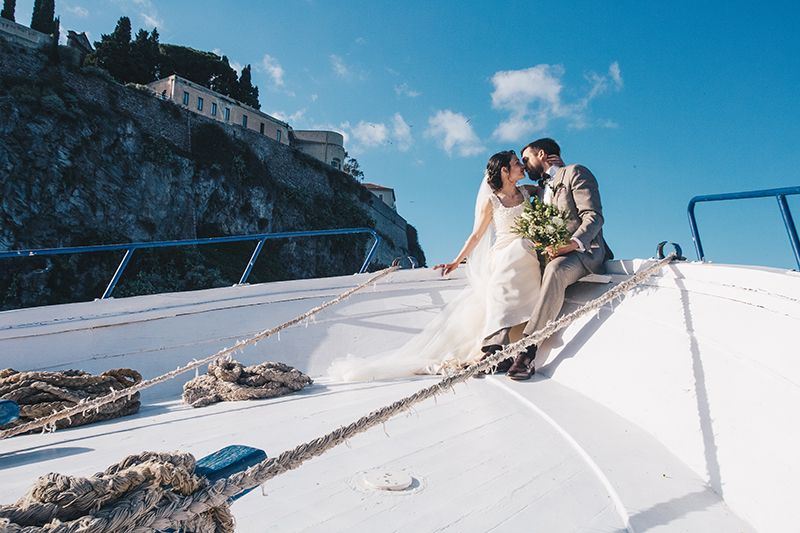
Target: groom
(573, 190)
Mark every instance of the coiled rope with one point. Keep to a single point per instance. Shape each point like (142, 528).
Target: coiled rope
(183, 509)
(231, 381)
(42, 393)
(82, 407)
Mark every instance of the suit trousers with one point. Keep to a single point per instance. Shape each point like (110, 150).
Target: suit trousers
(559, 274)
(498, 337)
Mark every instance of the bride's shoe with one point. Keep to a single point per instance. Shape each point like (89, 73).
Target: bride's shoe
(501, 367)
(523, 367)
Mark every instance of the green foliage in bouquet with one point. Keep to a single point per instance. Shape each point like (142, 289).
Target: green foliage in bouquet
(544, 225)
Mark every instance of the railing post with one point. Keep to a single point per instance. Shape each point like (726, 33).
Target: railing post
(371, 252)
(698, 246)
(118, 274)
(791, 229)
(249, 268)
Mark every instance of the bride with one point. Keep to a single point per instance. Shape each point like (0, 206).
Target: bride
(504, 277)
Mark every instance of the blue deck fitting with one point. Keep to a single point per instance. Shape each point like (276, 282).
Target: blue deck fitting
(9, 411)
(228, 461)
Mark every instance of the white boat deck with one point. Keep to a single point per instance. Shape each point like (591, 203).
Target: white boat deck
(655, 416)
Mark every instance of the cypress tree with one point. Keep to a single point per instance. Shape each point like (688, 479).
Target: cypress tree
(113, 51)
(36, 16)
(55, 58)
(225, 80)
(247, 93)
(9, 6)
(43, 13)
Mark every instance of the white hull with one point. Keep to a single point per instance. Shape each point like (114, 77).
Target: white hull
(675, 411)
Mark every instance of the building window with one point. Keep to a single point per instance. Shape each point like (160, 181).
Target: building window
(213, 109)
(227, 114)
(261, 129)
(199, 104)
(278, 135)
(244, 120)
(185, 98)
(336, 163)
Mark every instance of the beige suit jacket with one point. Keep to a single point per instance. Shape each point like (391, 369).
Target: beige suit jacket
(575, 192)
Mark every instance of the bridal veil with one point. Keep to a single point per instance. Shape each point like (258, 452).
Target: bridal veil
(451, 338)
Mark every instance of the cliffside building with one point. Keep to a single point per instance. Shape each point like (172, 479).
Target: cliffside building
(386, 194)
(19, 34)
(206, 102)
(327, 146)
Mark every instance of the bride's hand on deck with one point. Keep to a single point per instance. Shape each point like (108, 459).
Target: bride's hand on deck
(446, 267)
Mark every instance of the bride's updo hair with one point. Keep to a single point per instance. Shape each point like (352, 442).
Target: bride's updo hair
(496, 163)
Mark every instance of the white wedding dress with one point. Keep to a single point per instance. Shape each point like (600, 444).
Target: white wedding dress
(504, 280)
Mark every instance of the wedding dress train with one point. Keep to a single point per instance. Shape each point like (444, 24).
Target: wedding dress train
(504, 279)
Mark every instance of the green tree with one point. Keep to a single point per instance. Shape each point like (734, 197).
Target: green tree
(204, 68)
(113, 52)
(9, 6)
(145, 58)
(352, 167)
(54, 55)
(247, 93)
(225, 80)
(43, 12)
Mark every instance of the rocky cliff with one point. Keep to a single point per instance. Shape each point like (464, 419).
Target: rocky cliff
(84, 160)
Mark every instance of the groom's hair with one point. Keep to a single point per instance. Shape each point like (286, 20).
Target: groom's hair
(547, 144)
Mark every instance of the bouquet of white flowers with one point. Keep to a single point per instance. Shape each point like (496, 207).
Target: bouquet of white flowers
(544, 225)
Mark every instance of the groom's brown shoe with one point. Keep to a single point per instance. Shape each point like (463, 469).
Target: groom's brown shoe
(523, 367)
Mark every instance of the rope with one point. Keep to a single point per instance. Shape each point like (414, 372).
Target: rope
(182, 509)
(229, 381)
(127, 490)
(39, 394)
(84, 406)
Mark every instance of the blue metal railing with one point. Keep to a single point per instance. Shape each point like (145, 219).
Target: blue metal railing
(131, 247)
(780, 194)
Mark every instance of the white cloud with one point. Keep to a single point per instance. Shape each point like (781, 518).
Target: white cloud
(149, 14)
(361, 41)
(363, 136)
(532, 97)
(294, 118)
(404, 90)
(370, 134)
(273, 69)
(78, 11)
(453, 133)
(616, 75)
(401, 133)
(314, 97)
(339, 68)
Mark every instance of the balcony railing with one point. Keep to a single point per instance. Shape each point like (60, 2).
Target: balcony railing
(130, 248)
(779, 194)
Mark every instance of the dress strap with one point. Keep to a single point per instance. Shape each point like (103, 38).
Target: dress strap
(495, 200)
(524, 191)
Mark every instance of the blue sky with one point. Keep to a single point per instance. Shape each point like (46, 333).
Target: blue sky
(661, 100)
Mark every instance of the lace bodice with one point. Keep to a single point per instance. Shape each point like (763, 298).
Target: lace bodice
(504, 217)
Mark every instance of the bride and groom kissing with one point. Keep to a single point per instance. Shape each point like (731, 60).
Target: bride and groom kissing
(510, 283)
